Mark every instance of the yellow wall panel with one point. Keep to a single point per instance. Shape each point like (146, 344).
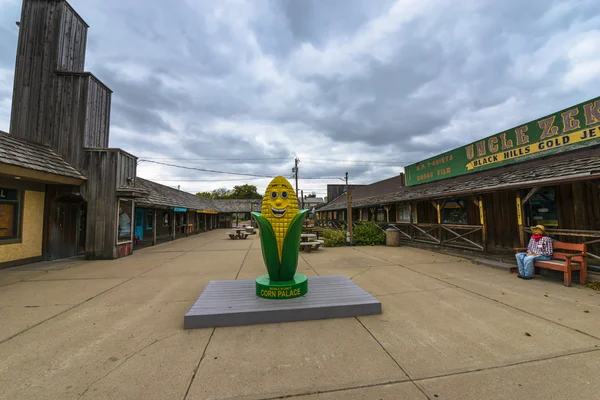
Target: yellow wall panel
(32, 230)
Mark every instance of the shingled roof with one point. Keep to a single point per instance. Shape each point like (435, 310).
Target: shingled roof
(380, 188)
(236, 205)
(165, 196)
(25, 154)
(566, 167)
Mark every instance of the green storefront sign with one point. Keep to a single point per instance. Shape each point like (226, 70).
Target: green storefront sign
(565, 130)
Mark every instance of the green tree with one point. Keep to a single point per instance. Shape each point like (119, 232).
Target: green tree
(313, 195)
(221, 193)
(245, 192)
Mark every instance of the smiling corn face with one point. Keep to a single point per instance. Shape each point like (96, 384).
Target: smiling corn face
(279, 207)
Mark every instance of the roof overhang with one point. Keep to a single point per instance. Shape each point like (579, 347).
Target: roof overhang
(585, 176)
(29, 174)
(132, 192)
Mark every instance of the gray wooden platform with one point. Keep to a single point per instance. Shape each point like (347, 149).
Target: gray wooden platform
(234, 302)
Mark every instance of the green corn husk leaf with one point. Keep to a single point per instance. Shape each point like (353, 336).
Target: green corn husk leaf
(291, 247)
(268, 245)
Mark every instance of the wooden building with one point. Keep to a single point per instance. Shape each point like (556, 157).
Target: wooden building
(38, 219)
(491, 210)
(231, 210)
(56, 169)
(337, 209)
(167, 214)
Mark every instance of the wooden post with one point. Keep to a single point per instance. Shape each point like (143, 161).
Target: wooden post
(436, 204)
(154, 227)
(482, 219)
(520, 219)
(360, 214)
(173, 230)
(438, 208)
(387, 213)
(416, 219)
(350, 215)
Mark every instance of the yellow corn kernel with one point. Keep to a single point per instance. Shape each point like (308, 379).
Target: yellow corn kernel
(279, 207)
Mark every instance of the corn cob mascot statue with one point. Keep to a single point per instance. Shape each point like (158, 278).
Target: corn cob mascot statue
(280, 224)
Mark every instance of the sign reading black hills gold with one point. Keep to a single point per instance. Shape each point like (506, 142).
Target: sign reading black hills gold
(565, 130)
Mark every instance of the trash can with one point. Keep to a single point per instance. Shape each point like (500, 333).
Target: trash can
(392, 237)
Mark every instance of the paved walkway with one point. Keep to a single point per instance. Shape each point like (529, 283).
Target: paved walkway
(449, 330)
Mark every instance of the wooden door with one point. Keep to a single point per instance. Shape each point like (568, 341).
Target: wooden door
(64, 228)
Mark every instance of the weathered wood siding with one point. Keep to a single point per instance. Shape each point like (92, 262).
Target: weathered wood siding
(97, 119)
(66, 118)
(100, 190)
(501, 213)
(127, 169)
(41, 50)
(72, 39)
(579, 208)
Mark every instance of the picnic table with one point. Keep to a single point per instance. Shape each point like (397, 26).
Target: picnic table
(306, 244)
(237, 233)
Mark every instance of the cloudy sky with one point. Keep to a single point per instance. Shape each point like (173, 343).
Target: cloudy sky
(363, 86)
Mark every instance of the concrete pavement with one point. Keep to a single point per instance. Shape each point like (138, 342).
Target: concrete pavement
(449, 330)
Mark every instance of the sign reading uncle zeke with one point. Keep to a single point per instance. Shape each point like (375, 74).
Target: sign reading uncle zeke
(565, 130)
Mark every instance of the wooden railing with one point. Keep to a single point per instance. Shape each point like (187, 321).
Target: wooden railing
(467, 237)
(459, 236)
(332, 224)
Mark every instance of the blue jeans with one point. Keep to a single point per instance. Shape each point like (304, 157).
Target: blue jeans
(525, 263)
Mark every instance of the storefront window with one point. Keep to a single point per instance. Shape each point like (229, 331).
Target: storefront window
(403, 212)
(454, 212)
(124, 220)
(9, 214)
(542, 208)
(380, 214)
(149, 220)
(166, 219)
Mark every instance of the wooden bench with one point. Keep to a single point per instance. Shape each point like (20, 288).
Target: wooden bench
(309, 246)
(565, 262)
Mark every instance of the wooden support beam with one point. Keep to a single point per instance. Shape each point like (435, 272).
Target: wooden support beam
(154, 227)
(482, 218)
(173, 221)
(387, 213)
(438, 208)
(416, 218)
(520, 219)
(529, 195)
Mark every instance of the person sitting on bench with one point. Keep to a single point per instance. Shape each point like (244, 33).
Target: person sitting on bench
(540, 248)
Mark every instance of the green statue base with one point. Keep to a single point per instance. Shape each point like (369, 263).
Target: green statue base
(268, 289)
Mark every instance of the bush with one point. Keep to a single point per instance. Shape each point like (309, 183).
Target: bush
(334, 238)
(368, 234)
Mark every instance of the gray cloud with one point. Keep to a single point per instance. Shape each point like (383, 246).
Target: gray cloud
(326, 81)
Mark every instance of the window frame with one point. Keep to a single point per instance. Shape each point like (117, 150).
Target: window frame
(131, 226)
(462, 205)
(20, 203)
(149, 215)
(400, 215)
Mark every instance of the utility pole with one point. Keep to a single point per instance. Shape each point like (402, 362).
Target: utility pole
(349, 212)
(296, 161)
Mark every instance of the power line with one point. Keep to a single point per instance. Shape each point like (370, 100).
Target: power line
(212, 159)
(228, 173)
(312, 160)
